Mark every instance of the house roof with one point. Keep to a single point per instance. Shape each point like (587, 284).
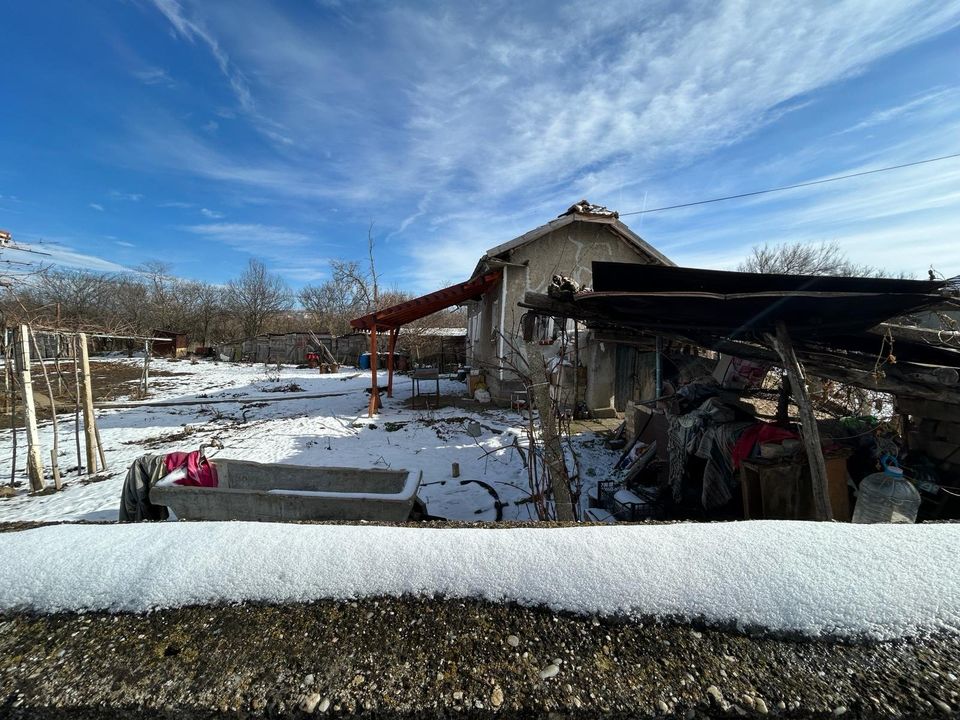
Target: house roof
(583, 212)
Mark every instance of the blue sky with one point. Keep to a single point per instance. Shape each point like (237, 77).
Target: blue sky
(205, 133)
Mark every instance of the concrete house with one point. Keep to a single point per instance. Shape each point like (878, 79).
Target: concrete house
(565, 246)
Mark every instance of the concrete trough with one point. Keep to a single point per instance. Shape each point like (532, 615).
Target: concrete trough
(271, 492)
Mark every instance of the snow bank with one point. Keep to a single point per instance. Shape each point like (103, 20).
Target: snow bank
(881, 581)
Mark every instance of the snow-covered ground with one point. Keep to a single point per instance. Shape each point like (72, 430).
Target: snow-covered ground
(332, 430)
(880, 581)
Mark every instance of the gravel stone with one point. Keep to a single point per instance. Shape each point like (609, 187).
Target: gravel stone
(714, 693)
(496, 697)
(309, 702)
(513, 641)
(549, 671)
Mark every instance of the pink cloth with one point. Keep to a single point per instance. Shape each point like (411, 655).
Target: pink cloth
(199, 470)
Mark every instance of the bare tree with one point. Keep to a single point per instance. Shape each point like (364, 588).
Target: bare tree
(256, 296)
(332, 304)
(205, 307)
(825, 258)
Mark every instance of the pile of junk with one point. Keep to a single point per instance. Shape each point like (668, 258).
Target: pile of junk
(702, 452)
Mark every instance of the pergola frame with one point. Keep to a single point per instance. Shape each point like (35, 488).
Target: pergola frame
(393, 318)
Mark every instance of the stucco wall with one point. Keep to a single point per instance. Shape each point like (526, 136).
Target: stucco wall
(567, 251)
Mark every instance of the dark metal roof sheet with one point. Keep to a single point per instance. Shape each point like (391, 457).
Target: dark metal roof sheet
(736, 304)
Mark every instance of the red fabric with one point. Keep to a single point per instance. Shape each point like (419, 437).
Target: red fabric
(759, 433)
(199, 472)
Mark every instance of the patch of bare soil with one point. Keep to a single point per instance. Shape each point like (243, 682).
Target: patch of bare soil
(285, 388)
(156, 441)
(110, 380)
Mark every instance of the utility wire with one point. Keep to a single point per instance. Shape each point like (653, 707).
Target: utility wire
(793, 187)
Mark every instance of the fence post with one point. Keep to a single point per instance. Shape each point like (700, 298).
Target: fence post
(34, 458)
(89, 419)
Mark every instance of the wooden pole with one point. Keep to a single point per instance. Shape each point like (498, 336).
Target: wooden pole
(552, 449)
(7, 392)
(55, 450)
(34, 459)
(8, 357)
(392, 346)
(100, 454)
(76, 405)
(374, 388)
(783, 402)
(811, 434)
(57, 483)
(88, 416)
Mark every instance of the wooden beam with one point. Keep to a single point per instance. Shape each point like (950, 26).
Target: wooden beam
(374, 405)
(808, 421)
(392, 346)
(918, 334)
(89, 418)
(34, 458)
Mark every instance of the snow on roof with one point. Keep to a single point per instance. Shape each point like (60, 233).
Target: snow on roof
(582, 211)
(439, 332)
(585, 207)
(819, 579)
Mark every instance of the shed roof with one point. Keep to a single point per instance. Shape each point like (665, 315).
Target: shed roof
(406, 312)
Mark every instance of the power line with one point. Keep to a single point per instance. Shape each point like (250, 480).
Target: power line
(793, 187)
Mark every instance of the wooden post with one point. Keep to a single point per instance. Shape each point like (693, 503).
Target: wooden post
(88, 417)
(100, 454)
(57, 483)
(392, 347)
(34, 459)
(55, 450)
(552, 450)
(783, 402)
(374, 388)
(7, 380)
(76, 405)
(811, 434)
(146, 365)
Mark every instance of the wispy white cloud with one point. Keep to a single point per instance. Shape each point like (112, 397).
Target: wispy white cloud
(940, 97)
(126, 196)
(124, 243)
(250, 236)
(176, 204)
(97, 206)
(154, 76)
(60, 254)
(212, 214)
(193, 29)
(291, 253)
